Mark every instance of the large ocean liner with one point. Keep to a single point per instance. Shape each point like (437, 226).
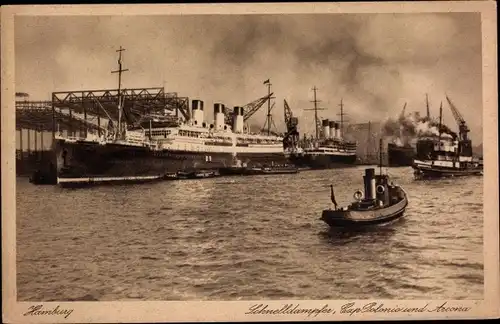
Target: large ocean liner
(328, 149)
(446, 154)
(162, 143)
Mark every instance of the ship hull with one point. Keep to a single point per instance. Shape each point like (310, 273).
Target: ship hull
(91, 159)
(425, 171)
(243, 171)
(334, 221)
(399, 156)
(323, 161)
(364, 218)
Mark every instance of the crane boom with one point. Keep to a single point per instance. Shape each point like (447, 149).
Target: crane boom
(456, 113)
(290, 122)
(287, 111)
(250, 108)
(463, 129)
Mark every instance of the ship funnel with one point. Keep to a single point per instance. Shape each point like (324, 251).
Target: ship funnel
(337, 130)
(369, 180)
(331, 124)
(219, 114)
(197, 107)
(326, 129)
(238, 119)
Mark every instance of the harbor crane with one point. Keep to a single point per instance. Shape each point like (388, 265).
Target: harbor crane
(463, 129)
(291, 138)
(249, 109)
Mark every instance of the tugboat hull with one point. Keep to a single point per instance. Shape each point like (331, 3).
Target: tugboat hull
(345, 221)
(423, 171)
(360, 218)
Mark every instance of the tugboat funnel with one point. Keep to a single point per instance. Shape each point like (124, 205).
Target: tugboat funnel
(369, 181)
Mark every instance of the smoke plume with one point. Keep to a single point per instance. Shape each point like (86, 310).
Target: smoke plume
(409, 127)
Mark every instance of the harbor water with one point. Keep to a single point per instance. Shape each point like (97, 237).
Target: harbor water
(246, 238)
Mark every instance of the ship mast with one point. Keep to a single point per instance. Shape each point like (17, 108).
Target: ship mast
(380, 156)
(269, 118)
(402, 116)
(316, 108)
(440, 121)
(427, 105)
(120, 101)
(367, 147)
(316, 112)
(341, 117)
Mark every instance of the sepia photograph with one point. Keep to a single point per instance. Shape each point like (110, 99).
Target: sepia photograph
(250, 155)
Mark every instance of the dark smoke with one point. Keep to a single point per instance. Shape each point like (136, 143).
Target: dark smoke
(407, 128)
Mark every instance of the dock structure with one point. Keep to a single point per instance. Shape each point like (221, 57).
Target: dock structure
(80, 112)
(84, 110)
(33, 134)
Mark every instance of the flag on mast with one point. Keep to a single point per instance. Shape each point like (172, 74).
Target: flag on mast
(333, 197)
(266, 82)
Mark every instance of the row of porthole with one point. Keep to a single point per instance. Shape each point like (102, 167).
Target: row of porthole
(204, 125)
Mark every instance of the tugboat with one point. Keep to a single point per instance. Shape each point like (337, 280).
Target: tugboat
(383, 202)
(446, 156)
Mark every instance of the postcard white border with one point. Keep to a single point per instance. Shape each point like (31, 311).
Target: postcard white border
(193, 311)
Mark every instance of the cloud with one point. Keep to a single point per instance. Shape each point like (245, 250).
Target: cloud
(374, 62)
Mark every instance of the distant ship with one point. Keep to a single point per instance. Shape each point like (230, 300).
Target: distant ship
(446, 155)
(400, 155)
(328, 149)
(165, 143)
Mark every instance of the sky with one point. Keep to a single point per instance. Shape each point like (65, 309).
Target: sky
(373, 62)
